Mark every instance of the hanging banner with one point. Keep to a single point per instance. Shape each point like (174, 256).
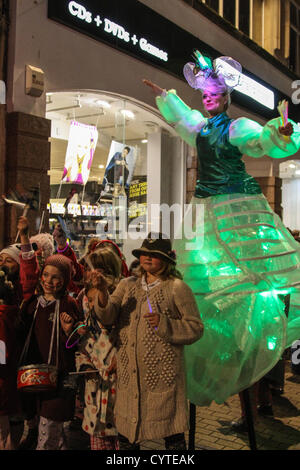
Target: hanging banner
(120, 164)
(80, 152)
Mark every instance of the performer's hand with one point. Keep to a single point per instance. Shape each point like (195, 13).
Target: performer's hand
(153, 319)
(66, 322)
(157, 90)
(287, 129)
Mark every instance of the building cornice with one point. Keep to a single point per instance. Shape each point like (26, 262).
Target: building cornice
(241, 37)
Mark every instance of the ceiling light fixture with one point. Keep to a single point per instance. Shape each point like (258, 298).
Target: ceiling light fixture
(104, 104)
(127, 113)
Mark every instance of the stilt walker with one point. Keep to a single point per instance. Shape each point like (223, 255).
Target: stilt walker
(241, 261)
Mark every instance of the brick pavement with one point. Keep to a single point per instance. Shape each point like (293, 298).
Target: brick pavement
(282, 432)
(213, 425)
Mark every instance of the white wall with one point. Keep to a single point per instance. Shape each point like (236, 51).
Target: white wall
(291, 203)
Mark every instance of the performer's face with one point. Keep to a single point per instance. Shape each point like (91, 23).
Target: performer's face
(151, 263)
(213, 100)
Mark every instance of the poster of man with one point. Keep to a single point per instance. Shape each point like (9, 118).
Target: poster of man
(120, 164)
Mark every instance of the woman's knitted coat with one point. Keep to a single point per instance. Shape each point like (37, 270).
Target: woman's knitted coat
(151, 401)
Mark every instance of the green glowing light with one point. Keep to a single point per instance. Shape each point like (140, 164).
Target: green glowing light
(271, 343)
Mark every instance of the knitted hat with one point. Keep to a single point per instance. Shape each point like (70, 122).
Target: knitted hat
(156, 243)
(63, 264)
(44, 242)
(13, 251)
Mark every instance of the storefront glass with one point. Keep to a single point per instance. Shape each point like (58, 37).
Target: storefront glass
(98, 174)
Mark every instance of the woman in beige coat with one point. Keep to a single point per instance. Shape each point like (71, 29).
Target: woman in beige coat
(156, 315)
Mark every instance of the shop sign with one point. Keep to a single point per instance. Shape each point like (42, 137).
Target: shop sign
(57, 208)
(137, 199)
(138, 30)
(116, 30)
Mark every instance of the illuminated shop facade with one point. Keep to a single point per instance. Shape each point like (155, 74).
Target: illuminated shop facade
(93, 56)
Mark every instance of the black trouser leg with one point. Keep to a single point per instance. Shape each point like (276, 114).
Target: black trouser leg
(175, 442)
(126, 445)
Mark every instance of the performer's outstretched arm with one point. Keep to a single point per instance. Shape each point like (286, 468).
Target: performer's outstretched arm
(187, 121)
(272, 139)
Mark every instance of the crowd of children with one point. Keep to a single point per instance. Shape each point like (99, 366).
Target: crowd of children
(122, 331)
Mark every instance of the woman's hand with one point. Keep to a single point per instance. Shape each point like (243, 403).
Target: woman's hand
(286, 130)
(157, 90)
(99, 282)
(66, 322)
(153, 319)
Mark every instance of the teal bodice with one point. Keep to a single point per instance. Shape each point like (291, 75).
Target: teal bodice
(220, 166)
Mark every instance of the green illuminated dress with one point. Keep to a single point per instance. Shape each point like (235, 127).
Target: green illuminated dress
(241, 260)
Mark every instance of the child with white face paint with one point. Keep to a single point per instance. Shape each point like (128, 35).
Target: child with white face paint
(56, 407)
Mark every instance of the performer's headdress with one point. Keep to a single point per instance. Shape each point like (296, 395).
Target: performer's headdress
(223, 71)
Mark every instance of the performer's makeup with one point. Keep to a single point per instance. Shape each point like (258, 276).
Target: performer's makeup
(214, 101)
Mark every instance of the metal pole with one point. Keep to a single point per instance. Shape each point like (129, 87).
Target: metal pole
(249, 419)
(192, 426)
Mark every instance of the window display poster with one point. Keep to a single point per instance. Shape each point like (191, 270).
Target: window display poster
(120, 156)
(138, 198)
(80, 152)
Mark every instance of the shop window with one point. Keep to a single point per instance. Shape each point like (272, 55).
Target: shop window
(98, 173)
(214, 4)
(293, 15)
(294, 49)
(229, 9)
(244, 16)
(257, 24)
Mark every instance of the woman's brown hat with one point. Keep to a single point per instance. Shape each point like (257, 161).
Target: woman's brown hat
(157, 243)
